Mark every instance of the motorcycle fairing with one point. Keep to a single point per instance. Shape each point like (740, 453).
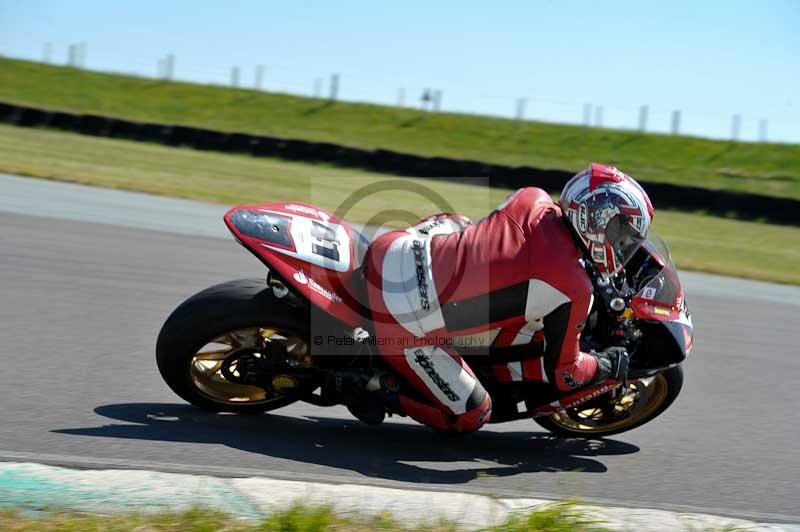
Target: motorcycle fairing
(661, 298)
(311, 249)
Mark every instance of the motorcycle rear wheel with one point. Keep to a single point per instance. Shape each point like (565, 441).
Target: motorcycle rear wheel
(643, 401)
(204, 337)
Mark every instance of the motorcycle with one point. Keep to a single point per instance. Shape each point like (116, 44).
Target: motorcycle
(299, 333)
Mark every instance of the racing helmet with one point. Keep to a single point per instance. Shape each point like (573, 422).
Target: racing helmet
(609, 212)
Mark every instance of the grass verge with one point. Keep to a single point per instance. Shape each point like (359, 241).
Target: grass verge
(699, 242)
(560, 517)
(772, 169)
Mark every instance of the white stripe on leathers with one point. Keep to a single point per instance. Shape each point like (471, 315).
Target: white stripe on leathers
(442, 375)
(409, 291)
(543, 299)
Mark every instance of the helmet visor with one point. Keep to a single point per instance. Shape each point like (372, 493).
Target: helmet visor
(624, 238)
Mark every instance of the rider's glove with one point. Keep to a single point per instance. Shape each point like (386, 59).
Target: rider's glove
(612, 363)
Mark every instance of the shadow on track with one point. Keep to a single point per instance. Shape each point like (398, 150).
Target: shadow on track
(400, 452)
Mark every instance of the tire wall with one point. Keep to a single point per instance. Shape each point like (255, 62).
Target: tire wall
(668, 196)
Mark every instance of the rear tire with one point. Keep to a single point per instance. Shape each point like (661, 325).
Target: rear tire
(230, 306)
(668, 385)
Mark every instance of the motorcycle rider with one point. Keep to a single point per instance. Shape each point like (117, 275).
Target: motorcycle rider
(517, 272)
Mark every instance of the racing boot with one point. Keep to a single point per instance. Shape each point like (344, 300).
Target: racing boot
(368, 395)
(612, 363)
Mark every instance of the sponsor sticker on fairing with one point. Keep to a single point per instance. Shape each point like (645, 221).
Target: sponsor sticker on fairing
(304, 279)
(302, 209)
(324, 292)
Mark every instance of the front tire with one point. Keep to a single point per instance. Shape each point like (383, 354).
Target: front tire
(603, 417)
(216, 324)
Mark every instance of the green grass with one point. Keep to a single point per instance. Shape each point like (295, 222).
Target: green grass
(699, 242)
(763, 168)
(558, 517)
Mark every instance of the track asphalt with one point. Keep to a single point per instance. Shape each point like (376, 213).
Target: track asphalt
(87, 277)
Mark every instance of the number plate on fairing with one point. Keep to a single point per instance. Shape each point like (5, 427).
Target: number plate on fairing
(319, 242)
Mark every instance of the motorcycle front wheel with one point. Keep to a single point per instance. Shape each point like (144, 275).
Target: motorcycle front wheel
(641, 402)
(203, 346)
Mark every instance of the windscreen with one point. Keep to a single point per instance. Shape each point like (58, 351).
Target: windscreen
(664, 288)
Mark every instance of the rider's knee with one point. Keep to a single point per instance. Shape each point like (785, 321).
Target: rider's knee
(479, 411)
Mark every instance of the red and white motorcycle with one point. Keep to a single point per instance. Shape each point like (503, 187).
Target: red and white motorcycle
(255, 345)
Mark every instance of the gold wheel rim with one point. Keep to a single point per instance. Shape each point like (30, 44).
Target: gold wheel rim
(640, 401)
(205, 368)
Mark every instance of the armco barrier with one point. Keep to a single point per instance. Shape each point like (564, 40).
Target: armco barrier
(665, 195)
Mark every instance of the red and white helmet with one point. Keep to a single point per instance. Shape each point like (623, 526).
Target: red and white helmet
(611, 214)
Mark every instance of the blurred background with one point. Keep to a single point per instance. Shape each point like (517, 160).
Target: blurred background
(715, 69)
(249, 101)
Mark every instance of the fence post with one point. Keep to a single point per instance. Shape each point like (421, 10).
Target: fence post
(259, 79)
(587, 114)
(762, 130)
(317, 87)
(521, 103)
(598, 116)
(437, 100)
(334, 87)
(81, 62)
(736, 124)
(676, 122)
(235, 76)
(48, 52)
(643, 118)
(72, 51)
(401, 97)
(169, 67)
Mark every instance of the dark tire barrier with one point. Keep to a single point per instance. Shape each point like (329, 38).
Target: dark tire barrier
(29, 117)
(122, 129)
(65, 121)
(6, 111)
(666, 196)
(182, 136)
(94, 125)
(210, 140)
(149, 132)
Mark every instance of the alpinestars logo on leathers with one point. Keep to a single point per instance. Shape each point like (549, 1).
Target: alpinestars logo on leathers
(421, 266)
(425, 363)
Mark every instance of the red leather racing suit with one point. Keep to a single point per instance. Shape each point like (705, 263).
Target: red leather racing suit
(508, 278)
